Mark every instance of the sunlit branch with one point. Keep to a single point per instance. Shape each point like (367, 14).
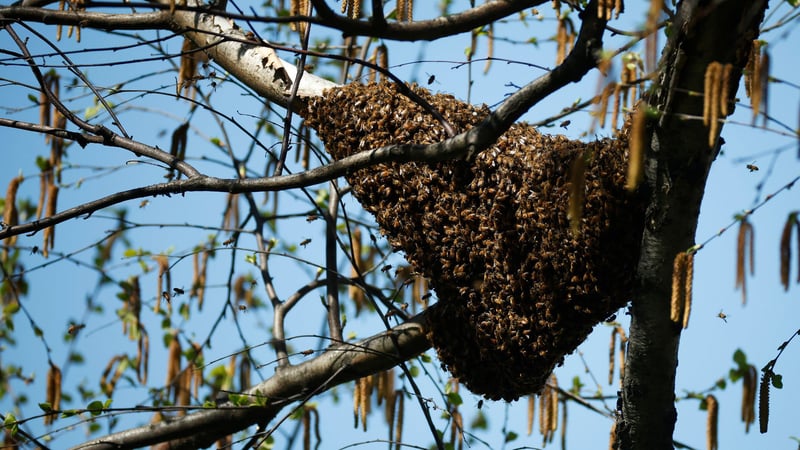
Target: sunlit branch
(88, 19)
(347, 361)
(580, 60)
(426, 30)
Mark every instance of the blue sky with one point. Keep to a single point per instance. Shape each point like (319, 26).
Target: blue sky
(58, 292)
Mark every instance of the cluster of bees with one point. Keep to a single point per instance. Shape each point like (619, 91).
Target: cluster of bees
(518, 287)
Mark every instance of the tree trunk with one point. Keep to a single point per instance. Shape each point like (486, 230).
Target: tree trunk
(677, 166)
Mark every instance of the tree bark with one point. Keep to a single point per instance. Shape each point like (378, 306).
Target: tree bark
(677, 167)
(337, 365)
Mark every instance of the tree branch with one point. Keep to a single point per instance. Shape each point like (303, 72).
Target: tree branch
(580, 60)
(424, 30)
(108, 139)
(103, 21)
(339, 364)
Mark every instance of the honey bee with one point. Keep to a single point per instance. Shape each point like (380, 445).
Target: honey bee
(242, 307)
(228, 242)
(305, 242)
(75, 328)
(177, 291)
(723, 316)
(752, 168)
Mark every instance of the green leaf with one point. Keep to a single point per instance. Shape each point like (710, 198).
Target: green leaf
(69, 413)
(95, 408)
(454, 398)
(777, 381)
(10, 423)
(425, 358)
(511, 436)
(414, 371)
(11, 309)
(46, 407)
(33, 98)
(239, 399)
(740, 359)
(479, 422)
(91, 111)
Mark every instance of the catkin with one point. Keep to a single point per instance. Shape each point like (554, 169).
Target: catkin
(531, 412)
(744, 247)
(636, 147)
(577, 192)
(749, 380)
(785, 249)
(711, 424)
(53, 392)
(10, 213)
(687, 289)
(398, 427)
(678, 291)
(763, 402)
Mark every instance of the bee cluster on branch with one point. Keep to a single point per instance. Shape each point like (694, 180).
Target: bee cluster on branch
(519, 284)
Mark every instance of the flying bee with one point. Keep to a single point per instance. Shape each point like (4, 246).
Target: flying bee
(228, 242)
(305, 242)
(723, 316)
(242, 307)
(74, 328)
(752, 167)
(177, 291)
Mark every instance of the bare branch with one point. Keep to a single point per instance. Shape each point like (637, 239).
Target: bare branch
(581, 59)
(110, 139)
(426, 30)
(87, 19)
(340, 364)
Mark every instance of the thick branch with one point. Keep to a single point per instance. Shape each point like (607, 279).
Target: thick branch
(102, 21)
(676, 171)
(424, 30)
(339, 364)
(254, 64)
(582, 59)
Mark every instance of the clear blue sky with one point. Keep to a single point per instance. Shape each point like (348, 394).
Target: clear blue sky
(58, 292)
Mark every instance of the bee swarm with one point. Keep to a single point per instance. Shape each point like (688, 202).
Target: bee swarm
(517, 288)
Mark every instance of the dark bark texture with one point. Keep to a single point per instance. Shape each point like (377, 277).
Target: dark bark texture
(677, 166)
